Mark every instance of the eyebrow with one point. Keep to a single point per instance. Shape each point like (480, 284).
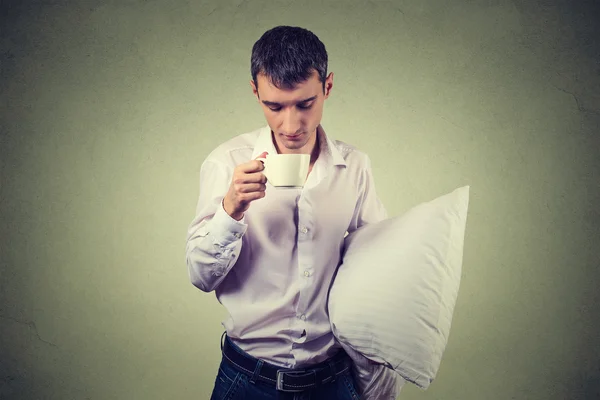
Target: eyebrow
(275, 104)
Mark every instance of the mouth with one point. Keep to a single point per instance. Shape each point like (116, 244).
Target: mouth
(293, 137)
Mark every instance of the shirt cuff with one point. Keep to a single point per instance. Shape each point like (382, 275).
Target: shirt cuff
(225, 229)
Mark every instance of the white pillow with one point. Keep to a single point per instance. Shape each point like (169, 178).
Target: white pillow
(393, 297)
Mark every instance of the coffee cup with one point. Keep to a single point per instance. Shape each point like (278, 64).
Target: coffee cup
(286, 170)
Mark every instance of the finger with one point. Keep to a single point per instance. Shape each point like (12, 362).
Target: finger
(251, 166)
(256, 177)
(252, 188)
(244, 179)
(258, 195)
(247, 198)
(260, 167)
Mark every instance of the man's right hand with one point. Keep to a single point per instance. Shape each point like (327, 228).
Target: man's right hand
(248, 184)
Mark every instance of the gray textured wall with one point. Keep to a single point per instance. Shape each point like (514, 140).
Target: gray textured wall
(108, 108)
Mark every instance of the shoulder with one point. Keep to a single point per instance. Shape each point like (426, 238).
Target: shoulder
(235, 150)
(352, 155)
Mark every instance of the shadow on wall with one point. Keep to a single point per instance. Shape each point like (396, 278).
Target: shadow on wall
(585, 387)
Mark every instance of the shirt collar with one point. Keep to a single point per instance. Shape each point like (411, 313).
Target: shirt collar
(328, 149)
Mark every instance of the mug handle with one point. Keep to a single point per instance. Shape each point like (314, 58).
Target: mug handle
(264, 161)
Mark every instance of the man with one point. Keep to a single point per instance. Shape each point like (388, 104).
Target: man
(270, 254)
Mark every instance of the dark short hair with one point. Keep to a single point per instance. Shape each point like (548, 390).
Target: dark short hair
(287, 56)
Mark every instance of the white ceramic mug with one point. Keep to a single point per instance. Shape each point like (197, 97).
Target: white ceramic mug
(286, 170)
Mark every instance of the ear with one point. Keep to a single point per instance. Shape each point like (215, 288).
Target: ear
(328, 84)
(254, 89)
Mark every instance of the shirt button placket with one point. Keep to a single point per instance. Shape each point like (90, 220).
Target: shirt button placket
(304, 261)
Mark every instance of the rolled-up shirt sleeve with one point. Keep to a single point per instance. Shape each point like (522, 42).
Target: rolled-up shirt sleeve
(214, 238)
(375, 381)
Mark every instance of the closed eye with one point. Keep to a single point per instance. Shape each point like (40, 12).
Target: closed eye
(302, 107)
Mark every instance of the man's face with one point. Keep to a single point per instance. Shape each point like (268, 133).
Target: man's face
(293, 115)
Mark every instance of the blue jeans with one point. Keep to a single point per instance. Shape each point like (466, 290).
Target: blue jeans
(231, 384)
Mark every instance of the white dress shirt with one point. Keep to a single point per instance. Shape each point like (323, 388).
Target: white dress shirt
(272, 270)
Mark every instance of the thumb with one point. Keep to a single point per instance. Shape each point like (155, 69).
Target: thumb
(263, 155)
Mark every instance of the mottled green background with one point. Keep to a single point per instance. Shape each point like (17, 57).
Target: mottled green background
(109, 107)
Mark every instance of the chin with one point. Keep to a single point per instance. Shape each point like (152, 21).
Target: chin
(296, 143)
(294, 146)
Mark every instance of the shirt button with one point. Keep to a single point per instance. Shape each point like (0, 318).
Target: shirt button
(307, 273)
(303, 317)
(237, 235)
(304, 230)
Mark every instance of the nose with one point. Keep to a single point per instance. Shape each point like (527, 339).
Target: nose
(292, 123)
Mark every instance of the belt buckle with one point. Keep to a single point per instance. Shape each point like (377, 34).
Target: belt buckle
(280, 373)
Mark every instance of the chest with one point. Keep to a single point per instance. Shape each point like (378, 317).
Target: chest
(320, 210)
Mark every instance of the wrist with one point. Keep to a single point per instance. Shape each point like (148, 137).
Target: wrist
(229, 210)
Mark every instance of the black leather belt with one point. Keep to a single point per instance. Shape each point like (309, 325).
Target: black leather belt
(286, 380)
